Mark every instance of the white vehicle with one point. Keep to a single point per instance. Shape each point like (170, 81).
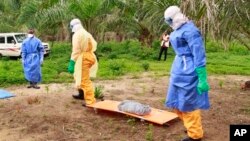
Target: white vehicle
(10, 44)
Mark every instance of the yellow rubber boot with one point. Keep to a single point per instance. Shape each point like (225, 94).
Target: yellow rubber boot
(192, 122)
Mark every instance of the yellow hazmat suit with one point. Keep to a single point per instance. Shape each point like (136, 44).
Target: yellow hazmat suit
(85, 60)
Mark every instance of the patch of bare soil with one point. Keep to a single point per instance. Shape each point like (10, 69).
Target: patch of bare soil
(52, 114)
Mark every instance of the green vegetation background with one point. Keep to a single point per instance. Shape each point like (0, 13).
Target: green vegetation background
(127, 57)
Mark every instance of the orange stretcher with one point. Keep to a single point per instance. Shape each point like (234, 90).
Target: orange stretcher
(156, 115)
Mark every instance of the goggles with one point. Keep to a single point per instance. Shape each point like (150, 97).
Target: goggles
(168, 20)
(71, 26)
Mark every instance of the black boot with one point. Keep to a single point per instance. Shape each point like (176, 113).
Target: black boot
(190, 139)
(31, 85)
(35, 85)
(80, 95)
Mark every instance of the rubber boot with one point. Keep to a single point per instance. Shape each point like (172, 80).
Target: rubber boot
(30, 86)
(35, 85)
(79, 96)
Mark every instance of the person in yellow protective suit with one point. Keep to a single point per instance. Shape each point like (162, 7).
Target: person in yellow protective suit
(83, 63)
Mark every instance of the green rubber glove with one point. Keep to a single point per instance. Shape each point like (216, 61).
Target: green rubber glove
(203, 85)
(71, 66)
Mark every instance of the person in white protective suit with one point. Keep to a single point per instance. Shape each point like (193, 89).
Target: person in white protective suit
(188, 86)
(83, 63)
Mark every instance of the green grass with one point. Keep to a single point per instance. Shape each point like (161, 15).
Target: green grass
(128, 57)
(228, 63)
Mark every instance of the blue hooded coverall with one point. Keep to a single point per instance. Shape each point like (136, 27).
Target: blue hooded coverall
(182, 94)
(188, 45)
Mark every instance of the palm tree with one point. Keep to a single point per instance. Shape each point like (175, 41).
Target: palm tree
(98, 15)
(153, 11)
(143, 19)
(9, 9)
(56, 14)
(44, 16)
(218, 18)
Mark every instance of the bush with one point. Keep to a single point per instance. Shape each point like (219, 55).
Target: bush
(98, 92)
(127, 49)
(145, 66)
(116, 67)
(112, 56)
(105, 48)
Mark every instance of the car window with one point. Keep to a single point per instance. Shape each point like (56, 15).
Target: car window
(20, 37)
(2, 39)
(10, 40)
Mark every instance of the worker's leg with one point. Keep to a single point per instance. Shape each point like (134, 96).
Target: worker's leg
(86, 83)
(30, 85)
(192, 122)
(35, 86)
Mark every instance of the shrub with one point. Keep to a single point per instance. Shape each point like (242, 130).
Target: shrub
(112, 56)
(116, 67)
(145, 66)
(105, 48)
(127, 49)
(98, 92)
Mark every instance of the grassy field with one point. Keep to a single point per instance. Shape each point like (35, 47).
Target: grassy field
(128, 57)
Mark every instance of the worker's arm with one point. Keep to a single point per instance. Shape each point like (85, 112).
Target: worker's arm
(196, 45)
(76, 51)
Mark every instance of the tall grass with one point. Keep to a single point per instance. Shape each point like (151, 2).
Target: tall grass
(116, 59)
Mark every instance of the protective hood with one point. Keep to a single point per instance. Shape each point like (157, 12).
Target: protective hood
(174, 17)
(75, 25)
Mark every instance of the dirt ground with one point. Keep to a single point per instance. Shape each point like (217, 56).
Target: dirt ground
(51, 114)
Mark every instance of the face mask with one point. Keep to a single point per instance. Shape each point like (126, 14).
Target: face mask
(169, 21)
(30, 35)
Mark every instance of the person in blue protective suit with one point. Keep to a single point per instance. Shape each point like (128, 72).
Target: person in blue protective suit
(188, 86)
(32, 53)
